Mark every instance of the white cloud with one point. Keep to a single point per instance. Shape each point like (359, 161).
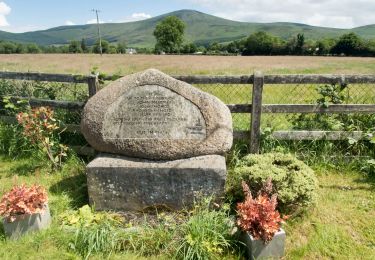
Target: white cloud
(21, 29)
(4, 11)
(92, 21)
(68, 22)
(330, 13)
(132, 18)
(140, 16)
(135, 17)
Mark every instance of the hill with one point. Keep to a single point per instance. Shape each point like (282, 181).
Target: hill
(201, 28)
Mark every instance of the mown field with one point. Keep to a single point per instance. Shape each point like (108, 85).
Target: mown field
(185, 65)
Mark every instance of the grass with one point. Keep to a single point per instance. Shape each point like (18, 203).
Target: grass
(341, 226)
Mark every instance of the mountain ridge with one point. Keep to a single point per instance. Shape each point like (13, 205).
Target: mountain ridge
(201, 29)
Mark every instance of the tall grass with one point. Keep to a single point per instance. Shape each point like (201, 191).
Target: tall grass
(94, 239)
(148, 240)
(206, 235)
(12, 141)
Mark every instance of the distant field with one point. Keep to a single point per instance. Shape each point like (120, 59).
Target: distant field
(185, 65)
(211, 65)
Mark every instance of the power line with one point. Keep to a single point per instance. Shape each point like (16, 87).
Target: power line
(99, 34)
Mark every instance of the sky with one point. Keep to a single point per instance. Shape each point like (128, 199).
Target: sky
(31, 15)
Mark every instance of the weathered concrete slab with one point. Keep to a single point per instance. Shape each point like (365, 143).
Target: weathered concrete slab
(152, 115)
(129, 184)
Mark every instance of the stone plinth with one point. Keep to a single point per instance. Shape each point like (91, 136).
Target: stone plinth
(129, 184)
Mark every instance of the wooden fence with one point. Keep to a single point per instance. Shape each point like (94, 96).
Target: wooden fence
(256, 109)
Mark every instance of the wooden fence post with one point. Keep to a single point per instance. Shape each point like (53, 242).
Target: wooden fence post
(256, 112)
(93, 84)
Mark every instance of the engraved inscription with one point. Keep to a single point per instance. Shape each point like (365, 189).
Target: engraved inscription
(153, 112)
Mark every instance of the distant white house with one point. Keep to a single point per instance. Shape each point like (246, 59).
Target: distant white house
(131, 51)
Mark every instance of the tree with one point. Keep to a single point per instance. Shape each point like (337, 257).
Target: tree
(8, 47)
(324, 46)
(112, 49)
(189, 48)
(299, 44)
(20, 48)
(233, 47)
(32, 48)
(295, 45)
(84, 45)
(121, 47)
(75, 47)
(105, 47)
(169, 34)
(348, 44)
(260, 43)
(370, 47)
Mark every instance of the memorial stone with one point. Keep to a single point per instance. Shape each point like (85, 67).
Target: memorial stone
(162, 142)
(153, 116)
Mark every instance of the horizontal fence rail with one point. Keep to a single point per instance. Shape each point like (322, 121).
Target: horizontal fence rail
(35, 102)
(256, 109)
(45, 77)
(272, 79)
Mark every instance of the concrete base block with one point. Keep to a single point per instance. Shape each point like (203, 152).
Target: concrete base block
(132, 184)
(256, 249)
(27, 223)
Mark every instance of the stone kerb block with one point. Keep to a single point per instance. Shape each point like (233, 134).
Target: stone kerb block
(131, 184)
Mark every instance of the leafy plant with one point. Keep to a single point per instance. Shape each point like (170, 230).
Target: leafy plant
(40, 127)
(86, 216)
(22, 200)
(259, 216)
(329, 94)
(13, 107)
(293, 181)
(369, 166)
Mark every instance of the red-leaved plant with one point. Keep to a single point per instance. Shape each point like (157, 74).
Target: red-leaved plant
(23, 200)
(40, 127)
(259, 216)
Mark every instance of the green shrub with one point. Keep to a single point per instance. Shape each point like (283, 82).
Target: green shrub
(293, 181)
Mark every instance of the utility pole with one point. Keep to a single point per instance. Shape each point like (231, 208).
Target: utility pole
(99, 35)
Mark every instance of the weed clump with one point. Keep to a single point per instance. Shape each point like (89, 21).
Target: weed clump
(207, 234)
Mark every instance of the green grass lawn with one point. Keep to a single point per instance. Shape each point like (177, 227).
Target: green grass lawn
(341, 226)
